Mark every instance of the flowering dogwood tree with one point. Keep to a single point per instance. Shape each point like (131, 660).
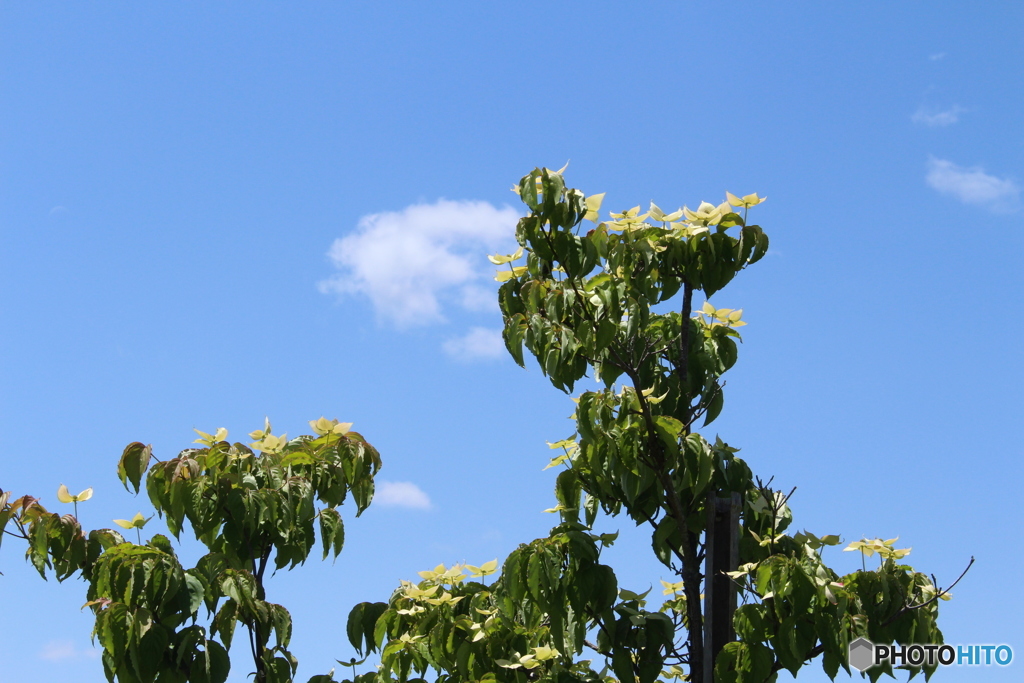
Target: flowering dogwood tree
(615, 299)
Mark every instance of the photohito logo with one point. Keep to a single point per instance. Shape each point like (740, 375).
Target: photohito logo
(864, 654)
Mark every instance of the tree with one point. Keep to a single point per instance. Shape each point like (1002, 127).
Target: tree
(617, 301)
(249, 505)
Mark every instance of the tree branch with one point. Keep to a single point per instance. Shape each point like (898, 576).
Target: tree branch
(909, 608)
(684, 348)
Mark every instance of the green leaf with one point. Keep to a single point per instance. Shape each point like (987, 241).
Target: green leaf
(743, 662)
(669, 429)
(528, 189)
(567, 492)
(240, 587)
(212, 665)
(606, 330)
(785, 646)
(760, 659)
(323, 678)
(354, 627)
(193, 587)
(760, 249)
(749, 623)
(134, 461)
(147, 656)
(606, 588)
(649, 667)
(37, 548)
(332, 532)
(511, 576)
(161, 543)
(590, 507)
(705, 470)
(535, 577)
(622, 665)
(715, 407)
(830, 663)
(729, 220)
(381, 630)
(362, 492)
(665, 538)
(727, 352)
(726, 663)
(371, 614)
(224, 622)
(282, 620)
(297, 458)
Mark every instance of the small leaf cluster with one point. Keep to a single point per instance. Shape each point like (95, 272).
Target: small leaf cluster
(586, 299)
(243, 505)
(527, 625)
(144, 601)
(55, 542)
(250, 505)
(797, 608)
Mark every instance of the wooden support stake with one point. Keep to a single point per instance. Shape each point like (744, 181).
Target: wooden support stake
(721, 554)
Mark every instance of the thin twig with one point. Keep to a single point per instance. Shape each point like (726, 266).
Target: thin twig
(909, 608)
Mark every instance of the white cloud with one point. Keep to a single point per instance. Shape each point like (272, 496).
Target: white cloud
(479, 342)
(56, 650)
(936, 118)
(972, 185)
(477, 298)
(936, 56)
(411, 262)
(401, 494)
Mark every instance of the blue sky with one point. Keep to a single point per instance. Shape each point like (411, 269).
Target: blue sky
(214, 213)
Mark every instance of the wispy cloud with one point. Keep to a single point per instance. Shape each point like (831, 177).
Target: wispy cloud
(479, 343)
(973, 185)
(936, 56)
(413, 262)
(57, 650)
(937, 118)
(401, 494)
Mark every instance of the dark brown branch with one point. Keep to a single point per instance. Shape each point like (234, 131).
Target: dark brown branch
(684, 346)
(703, 406)
(909, 608)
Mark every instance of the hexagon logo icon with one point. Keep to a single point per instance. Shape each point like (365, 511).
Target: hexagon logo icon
(862, 654)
